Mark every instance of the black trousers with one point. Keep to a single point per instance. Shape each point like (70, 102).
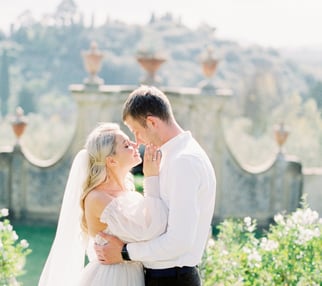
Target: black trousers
(189, 277)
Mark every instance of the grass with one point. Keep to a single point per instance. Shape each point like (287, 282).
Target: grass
(40, 239)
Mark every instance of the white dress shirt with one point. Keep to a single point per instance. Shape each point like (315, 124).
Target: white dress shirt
(188, 187)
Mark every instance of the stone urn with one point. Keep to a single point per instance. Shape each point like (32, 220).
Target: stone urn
(19, 123)
(150, 61)
(281, 133)
(209, 65)
(93, 63)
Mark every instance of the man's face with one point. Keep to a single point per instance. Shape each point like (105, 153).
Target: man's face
(143, 135)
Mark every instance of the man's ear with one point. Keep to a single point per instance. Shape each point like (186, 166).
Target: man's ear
(152, 121)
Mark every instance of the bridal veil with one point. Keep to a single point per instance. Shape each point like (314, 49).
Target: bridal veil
(67, 255)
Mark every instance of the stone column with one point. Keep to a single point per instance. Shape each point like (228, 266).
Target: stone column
(213, 136)
(17, 200)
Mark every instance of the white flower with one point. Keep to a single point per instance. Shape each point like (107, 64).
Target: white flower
(305, 235)
(279, 219)
(248, 223)
(14, 235)
(224, 252)
(211, 242)
(254, 256)
(316, 232)
(305, 217)
(247, 250)
(254, 259)
(300, 255)
(24, 243)
(10, 246)
(268, 245)
(4, 212)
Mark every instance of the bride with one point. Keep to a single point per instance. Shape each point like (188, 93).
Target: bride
(100, 196)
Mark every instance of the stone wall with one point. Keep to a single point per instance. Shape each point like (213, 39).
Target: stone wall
(33, 190)
(312, 187)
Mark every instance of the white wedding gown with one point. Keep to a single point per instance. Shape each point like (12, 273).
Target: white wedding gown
(130, 218)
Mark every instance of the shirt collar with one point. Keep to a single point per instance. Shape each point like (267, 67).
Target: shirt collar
(175, 142)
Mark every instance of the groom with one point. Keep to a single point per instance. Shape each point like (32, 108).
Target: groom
(187, 186)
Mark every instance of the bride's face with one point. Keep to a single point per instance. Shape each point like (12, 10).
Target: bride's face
(126, 151)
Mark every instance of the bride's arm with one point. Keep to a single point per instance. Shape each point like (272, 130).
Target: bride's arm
(135, 217)
(95, 203)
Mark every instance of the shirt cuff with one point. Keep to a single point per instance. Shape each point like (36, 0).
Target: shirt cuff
(151, 186)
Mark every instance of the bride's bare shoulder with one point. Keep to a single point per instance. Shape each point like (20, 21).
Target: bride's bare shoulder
(97, 200)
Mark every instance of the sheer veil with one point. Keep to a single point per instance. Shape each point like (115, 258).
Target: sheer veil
(67, 255)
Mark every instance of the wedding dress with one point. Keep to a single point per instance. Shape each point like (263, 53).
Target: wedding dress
(130, 216)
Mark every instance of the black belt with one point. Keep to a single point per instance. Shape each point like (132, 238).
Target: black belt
(167, 272)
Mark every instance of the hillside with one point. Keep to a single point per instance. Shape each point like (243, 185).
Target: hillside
(39, 60)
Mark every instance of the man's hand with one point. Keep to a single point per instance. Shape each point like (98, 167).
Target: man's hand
(109, 253)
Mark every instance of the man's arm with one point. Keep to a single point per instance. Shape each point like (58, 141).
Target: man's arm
(109, 253)
(184, 210)
(184, 215)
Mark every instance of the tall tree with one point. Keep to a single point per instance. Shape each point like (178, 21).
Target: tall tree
(26, 100)
(66, 13)
(4, 83)
(316, 93)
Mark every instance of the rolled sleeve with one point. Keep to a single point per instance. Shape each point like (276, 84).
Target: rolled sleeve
(151, 186)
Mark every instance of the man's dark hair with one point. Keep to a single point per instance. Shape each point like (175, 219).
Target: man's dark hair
(147, 101)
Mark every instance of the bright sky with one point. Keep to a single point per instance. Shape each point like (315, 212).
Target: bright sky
(275, 23)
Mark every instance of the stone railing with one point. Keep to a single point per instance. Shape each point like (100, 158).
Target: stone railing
(33, 189)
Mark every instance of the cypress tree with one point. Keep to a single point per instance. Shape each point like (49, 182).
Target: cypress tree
(4, 83)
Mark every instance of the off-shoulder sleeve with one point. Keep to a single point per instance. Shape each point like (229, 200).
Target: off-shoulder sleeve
(134, 217)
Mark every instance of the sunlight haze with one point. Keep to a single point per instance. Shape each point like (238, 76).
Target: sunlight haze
(271, 23)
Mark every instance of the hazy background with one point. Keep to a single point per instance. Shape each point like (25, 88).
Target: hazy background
(270, 23)
(270, 55)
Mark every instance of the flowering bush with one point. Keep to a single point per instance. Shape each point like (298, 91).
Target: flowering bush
(290, 253)
(12, 252)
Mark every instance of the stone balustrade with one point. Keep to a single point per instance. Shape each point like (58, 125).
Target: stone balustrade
(33, 189)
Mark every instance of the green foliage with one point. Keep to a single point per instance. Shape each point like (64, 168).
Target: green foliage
(12, 251)
(52, 53)
(290, 253)
(40, 238)
(26, 100)
(47, 137)
(138, 182)
(302, 118)
(46, 59)
(4, 83)
(316, 93)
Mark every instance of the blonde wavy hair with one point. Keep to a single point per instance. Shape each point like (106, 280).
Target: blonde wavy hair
(100, 143)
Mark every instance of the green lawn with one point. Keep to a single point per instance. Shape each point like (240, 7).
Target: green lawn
(40, 239)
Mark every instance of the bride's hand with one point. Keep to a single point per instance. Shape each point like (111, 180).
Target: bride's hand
(151, 161)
